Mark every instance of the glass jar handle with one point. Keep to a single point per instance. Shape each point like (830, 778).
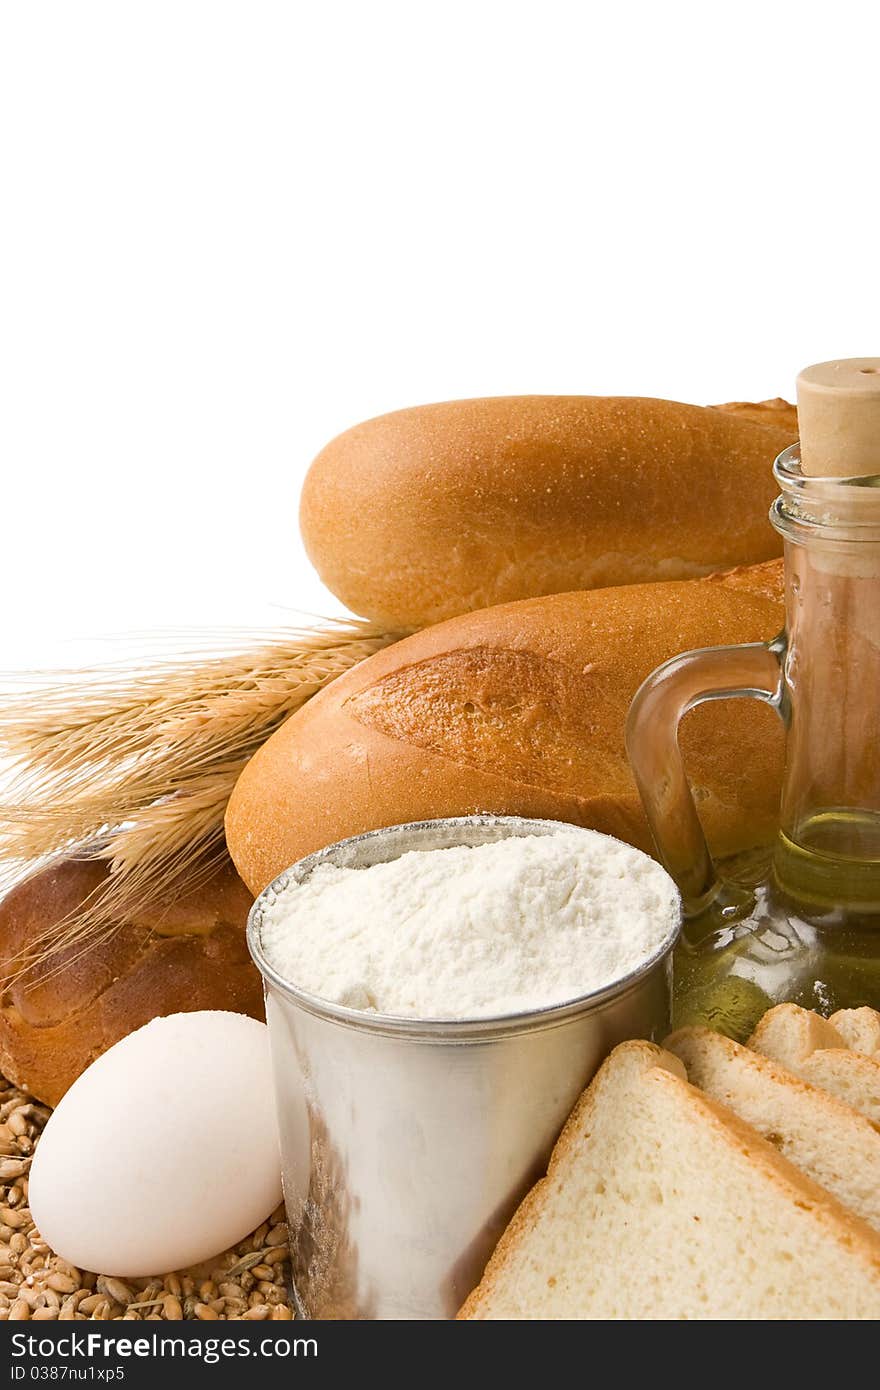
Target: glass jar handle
(753, 671)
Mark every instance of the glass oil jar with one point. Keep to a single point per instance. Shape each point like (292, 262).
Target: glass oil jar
(801, 923)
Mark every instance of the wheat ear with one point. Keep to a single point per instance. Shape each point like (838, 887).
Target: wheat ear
(134, 764)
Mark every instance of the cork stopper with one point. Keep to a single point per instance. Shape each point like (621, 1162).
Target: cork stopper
(839, 418)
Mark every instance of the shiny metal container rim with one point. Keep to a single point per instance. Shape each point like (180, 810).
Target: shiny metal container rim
(441, 1030)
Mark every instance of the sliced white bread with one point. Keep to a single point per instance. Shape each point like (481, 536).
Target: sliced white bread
(826, 1139)
(661, 1204)
(813, 1048)
(849, 1076)
(859, 1028)
(790, 1034)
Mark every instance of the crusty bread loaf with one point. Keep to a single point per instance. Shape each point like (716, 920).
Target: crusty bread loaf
(426, 513)
(814, 1048)
(777, 413)
(517, 710)
(660, 1203)
(189, 953)
(828, 1140)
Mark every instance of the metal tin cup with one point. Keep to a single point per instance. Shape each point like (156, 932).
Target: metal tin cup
(406, 1145)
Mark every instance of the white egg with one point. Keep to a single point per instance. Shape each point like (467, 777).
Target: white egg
(165, 1151)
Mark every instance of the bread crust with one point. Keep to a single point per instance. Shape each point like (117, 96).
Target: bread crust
(187, 954)
(776, 412)
(426, 513)
(517, 710)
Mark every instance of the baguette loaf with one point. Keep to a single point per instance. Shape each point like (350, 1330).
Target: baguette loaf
(660, 1203)
(429, 512)
(516, 710)
(186, 954)
(828, 1140)
(776, 412)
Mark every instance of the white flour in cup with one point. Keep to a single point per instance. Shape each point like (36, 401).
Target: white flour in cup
(502, 928)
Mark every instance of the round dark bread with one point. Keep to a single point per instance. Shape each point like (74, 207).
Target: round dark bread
(187, 954)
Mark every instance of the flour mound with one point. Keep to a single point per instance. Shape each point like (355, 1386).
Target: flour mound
(518, 925)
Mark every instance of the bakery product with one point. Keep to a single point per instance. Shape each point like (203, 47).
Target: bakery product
(186, 954)
(859, 1029)
(425, 513)
(790, 1034)
(660, 1203)
(850, 1076)
(517, 710)
(825, 1138)
(813, 1048)
(776, 412)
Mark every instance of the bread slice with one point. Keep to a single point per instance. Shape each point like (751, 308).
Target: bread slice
(859, 1028)
(789, 1034)
(826, 1139)
(849, 1076)
(661, 1204)
(813, 1048)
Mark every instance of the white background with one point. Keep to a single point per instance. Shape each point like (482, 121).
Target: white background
(230, 230)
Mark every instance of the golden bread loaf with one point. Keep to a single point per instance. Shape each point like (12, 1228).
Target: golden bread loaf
(517, 710)
(184, 955)
(775, 412)
(426, 513)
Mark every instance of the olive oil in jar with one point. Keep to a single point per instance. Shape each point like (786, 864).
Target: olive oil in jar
(833, 863)
(731, 967)
(801, 925)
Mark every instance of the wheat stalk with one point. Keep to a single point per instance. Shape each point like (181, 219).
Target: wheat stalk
(134, 763)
